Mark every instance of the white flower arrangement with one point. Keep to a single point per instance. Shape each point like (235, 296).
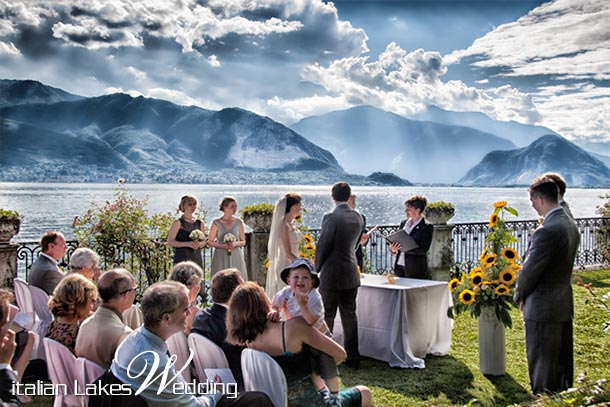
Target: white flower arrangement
(229, 238)
(197, 235)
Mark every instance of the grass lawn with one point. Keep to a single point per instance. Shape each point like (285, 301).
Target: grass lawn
(455, 379)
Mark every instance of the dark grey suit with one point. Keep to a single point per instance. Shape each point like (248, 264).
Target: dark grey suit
(45, 274)
(338, 270)
(545, 288)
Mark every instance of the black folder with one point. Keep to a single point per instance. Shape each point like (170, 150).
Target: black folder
(406, 241)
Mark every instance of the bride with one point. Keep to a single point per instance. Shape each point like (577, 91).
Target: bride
(284, 240)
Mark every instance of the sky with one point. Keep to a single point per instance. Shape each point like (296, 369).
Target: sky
(543, 63)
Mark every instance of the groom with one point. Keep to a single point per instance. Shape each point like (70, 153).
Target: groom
(336, 264)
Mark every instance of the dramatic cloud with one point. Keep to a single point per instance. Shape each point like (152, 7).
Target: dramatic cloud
(565, 46)
(403, 83)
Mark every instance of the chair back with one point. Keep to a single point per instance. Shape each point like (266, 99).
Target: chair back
(262, 373)
(132, 317)
(24, 300)
(207, 355)
(40, 300)
(177, 344)
(89, 370)
(63, 369)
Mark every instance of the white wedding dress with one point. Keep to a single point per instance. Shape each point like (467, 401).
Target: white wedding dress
(276, 253)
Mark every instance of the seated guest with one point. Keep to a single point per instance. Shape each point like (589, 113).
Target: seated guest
(7, 350)
(288, 343)
(71, 303)
(101, 333)
(190, 274)
(210, 322)
(165, 306)
(45, 273)
(86, 262)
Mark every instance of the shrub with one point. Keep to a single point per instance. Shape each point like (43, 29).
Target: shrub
(8, 214)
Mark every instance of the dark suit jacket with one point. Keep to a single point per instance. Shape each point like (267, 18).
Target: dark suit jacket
(336, 251)
(211, 323)
(545, 281)
(416, 260)
(7, 378)
(360, 249)
(45, 274)
(566, 208)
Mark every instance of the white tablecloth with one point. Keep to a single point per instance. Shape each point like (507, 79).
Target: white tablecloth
(403, 322)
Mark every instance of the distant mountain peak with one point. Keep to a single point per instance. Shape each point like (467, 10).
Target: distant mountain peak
(18, 92)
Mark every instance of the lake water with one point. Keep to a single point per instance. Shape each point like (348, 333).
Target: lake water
(47, 206)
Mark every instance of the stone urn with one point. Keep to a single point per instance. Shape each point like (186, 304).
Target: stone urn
(9, 227)
(492, 343)
(439, 213)
(260, 222)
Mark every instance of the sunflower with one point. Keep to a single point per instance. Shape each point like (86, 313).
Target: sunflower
(267, 264)
(476, 279)
(298, 218)
(303, 254)
(310, 247)
(493, 220)
(463, 278)
(308, 239)
(453, 284)
(502, 289)
(476, 270)
(508, 276)
(500, 204)
(490, 260)
(485, 253)
(509, 254)
(467, 297)
(515, 267)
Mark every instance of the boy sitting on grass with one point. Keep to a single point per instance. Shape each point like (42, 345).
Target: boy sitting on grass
(302, 299)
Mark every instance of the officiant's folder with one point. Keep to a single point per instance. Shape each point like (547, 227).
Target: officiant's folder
(406, 241)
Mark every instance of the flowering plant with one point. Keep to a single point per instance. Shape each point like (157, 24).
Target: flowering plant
(197, 235)
(229, 238)
(307, 248)
(492, 282)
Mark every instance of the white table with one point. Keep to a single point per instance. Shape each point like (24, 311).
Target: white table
(403, 322)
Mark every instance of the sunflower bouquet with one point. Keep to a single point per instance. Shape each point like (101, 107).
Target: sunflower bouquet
(307, 247)
(491, 283)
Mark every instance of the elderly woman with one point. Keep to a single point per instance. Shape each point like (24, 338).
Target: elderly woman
(288, 343)
(71, 304)
(190, 274)
(86, 262)
(414, 263)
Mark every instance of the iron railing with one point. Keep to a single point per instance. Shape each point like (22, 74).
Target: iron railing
(468, 240)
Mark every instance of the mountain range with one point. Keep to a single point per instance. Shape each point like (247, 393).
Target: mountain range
(48, 134)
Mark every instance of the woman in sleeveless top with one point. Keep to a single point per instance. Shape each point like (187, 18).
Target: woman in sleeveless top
(228, 254)
(179, 234)
(288, 343)
(284, 240)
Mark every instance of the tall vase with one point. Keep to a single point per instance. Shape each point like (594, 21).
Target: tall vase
(492, 343)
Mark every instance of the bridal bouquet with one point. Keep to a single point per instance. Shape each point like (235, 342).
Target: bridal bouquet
(491, 283)
(229, 238)
(197, 235)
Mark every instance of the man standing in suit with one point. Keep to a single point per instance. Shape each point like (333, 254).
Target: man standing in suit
(45, 273)
(102, 333)
(336, 265)
(211, 322)
(544, 292)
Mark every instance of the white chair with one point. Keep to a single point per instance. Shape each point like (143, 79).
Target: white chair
(24, 301)
(132, 317)
(89, 372)
(40, 299)
(262, 373)
(206, 355)
(64, 371)
(177, 344)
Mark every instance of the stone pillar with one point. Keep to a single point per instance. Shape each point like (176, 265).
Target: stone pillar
(256, 246)
(8, 251)
(440, 255)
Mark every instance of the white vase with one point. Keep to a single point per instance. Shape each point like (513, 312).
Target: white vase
(492, 343)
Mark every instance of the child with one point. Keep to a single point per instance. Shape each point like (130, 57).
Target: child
(301, 298)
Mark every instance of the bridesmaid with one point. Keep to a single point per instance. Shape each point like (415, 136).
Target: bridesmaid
(179, 233)
(228, 254)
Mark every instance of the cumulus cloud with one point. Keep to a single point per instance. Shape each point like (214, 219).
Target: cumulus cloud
(403, 83)
(565, 42)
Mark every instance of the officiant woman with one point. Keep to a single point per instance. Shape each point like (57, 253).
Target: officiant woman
(414, 263)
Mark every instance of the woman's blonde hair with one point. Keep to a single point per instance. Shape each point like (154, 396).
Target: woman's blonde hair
(185, 200)
(225, 201)
(73, 297)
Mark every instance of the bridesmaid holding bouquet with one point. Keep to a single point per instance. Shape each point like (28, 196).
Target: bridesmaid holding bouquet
(187, 234)
(227, 237)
